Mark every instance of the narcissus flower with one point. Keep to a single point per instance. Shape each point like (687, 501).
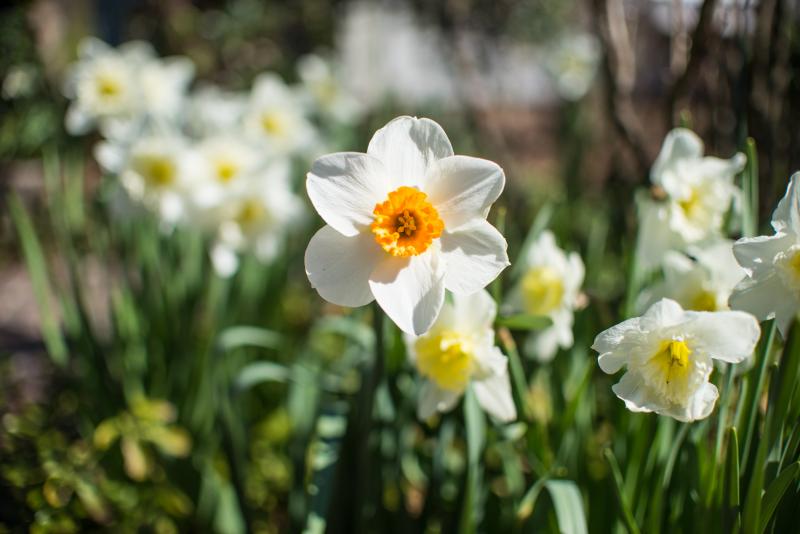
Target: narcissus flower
(702, 283)
(698, 193)
(772, 264)
(549, 286)
(404, 221)
(668, 354)
(459, 350)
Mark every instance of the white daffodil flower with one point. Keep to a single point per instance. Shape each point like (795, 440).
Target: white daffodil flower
(701, 284)
(226, 165)
(326, 90)
(156, 173)
(212, 112)
(255, 216)
(572, 62)
(404, 221)
(275, 115)
(103, 84)
(771, 287)
(164, 83)
(668, 354)
(458, 351)
(549, 287)
(699, 192)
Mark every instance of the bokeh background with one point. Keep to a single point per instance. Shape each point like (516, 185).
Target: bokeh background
(231, 397)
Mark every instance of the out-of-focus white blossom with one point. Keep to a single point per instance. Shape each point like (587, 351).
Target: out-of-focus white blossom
(572, 61)
(255, 216)
(276, 117)
(771, 287)
(210, 111)
(698, 190)
(549, 286)
(327, 91)
(700, 284)
(118, 89)
(668, 354)
(157, 173)
(457, 351)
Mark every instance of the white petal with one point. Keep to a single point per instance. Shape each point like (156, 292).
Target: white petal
(655, 237)
(787, 214)
(433, 399)
(410, 290)
(609, 343)
(344, 189)
(665, 312)
(766, 296)
(474, 312)
(729, 336)
(462, 188)
(542, 346)
(679, 144)
(224, 260)
(339, 267)
(474, 255)
(637, 396)
(77, 121)
(757, 253)
(408, 147)
(701, 404)
(494, 396)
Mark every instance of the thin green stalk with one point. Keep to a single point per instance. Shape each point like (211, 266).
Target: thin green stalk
(754, 393)
(627, 515)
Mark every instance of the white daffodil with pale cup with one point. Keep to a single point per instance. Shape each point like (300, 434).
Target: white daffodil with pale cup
(668, 354)
(549, 287)
(459, 352)
(405, 221)
(772, 264)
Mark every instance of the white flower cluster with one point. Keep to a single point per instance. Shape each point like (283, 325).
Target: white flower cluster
(210, 159)
(682, 230)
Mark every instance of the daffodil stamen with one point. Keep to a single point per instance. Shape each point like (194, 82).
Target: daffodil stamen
(406, 223)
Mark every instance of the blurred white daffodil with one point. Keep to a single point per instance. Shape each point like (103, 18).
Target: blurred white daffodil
(698, 190)
(327, 91)
(226, 165)
(276, 116)
(103, 84)
(572, 62)
(701, 284)
(120, 88)
(404, 221)
(549, 286)
(457, 351)
(212, 112)
(156, 173)
(771, 287)
(668, 354)
(255, 216)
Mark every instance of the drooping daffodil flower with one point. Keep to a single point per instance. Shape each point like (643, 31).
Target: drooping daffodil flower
(459, 351)
(668, 354)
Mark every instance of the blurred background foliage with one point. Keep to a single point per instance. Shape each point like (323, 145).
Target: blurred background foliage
(140, 392)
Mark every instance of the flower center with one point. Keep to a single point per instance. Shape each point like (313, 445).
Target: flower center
(273, 123)
(406, 223)
(691, 204)
(108, 87)
(542, 290)
(158, 171)
(704, 301)
(668, 369)
(787, 264)
(446, 358)
(226, 170)
(250, 212)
